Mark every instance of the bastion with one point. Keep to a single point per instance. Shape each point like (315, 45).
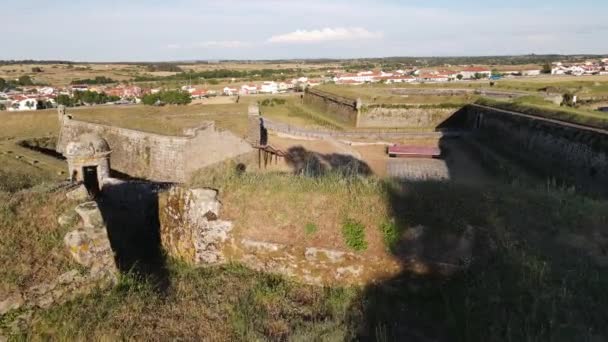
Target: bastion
(144, 155)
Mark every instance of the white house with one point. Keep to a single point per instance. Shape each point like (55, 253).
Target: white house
(576, 70)
(23, 104)
(433, 78)
(79, 87)
(228, 91)
(188, 88)
(531, 72)
(470, 72)
(247, 89)
(283, 86)
(269, 87)
(46, 91)
(399, 79)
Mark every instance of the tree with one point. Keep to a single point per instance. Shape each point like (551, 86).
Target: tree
(2, 83)
(496, 73)
(459, 77)
(546, 68)
(569, 100)
(169, 97)
(25, 80)
(64, 100)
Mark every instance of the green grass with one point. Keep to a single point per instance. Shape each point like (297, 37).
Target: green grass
(310, 228)
(390, 233)
(169, 120)
(31, 248)
(218, 303)
(292, 112)
(572, 115)
(353, 233)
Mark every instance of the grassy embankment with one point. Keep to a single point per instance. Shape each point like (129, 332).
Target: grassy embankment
(170, 120)
(289, 110)
(536, 274)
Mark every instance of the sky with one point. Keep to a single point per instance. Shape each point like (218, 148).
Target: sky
(153, 30)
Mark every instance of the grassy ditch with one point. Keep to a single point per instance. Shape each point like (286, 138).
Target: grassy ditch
(291, 112)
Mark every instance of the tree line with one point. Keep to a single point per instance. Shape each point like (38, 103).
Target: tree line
(22, 81)
(167, 97)
(220, 73)
(96, 80)
(80, 98)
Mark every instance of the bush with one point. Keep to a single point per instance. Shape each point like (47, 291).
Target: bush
(310, 228)
(167, 67)
(25, 81)
(96, 80)
(273, 101)
(390, 233)
(354, 235)
(168, 97)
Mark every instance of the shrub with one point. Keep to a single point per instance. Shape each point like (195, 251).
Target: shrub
(354, 235)
(169, 97)
(310, 228)
(390, 233)
(271, 102)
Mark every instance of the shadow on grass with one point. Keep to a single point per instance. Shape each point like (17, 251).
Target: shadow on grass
(525, 273)
(316, 164)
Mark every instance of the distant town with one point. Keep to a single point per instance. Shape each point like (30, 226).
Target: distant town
(26, 96)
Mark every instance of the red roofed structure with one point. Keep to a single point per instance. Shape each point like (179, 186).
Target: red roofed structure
(405, 151)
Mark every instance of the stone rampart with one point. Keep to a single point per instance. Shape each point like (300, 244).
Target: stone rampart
(342, 109)
(572, 153)
(387, 117)
(158, 157)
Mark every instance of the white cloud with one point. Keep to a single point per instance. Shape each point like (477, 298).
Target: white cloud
(326, 34)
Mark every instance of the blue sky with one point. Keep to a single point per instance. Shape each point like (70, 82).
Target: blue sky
(139, 30)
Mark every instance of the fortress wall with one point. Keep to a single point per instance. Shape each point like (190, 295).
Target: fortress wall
(210, 146)
(569, 153)
(158, 157)
(340, 108)
(378, 117)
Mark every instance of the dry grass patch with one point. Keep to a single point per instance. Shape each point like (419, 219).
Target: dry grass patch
(170, 120)
(275, 207)
(31, 248)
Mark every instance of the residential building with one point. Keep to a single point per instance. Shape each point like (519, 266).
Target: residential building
(230, 91)
(471, 72)
(269, 87)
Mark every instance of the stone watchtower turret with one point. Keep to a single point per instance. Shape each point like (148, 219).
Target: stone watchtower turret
(89, 160)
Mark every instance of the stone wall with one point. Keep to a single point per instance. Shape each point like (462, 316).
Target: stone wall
(342, 109)
(382, 117)
(570, 153)
(158, 157)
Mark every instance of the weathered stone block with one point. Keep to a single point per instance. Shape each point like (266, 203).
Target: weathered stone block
(187, 233)
(90, 214)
